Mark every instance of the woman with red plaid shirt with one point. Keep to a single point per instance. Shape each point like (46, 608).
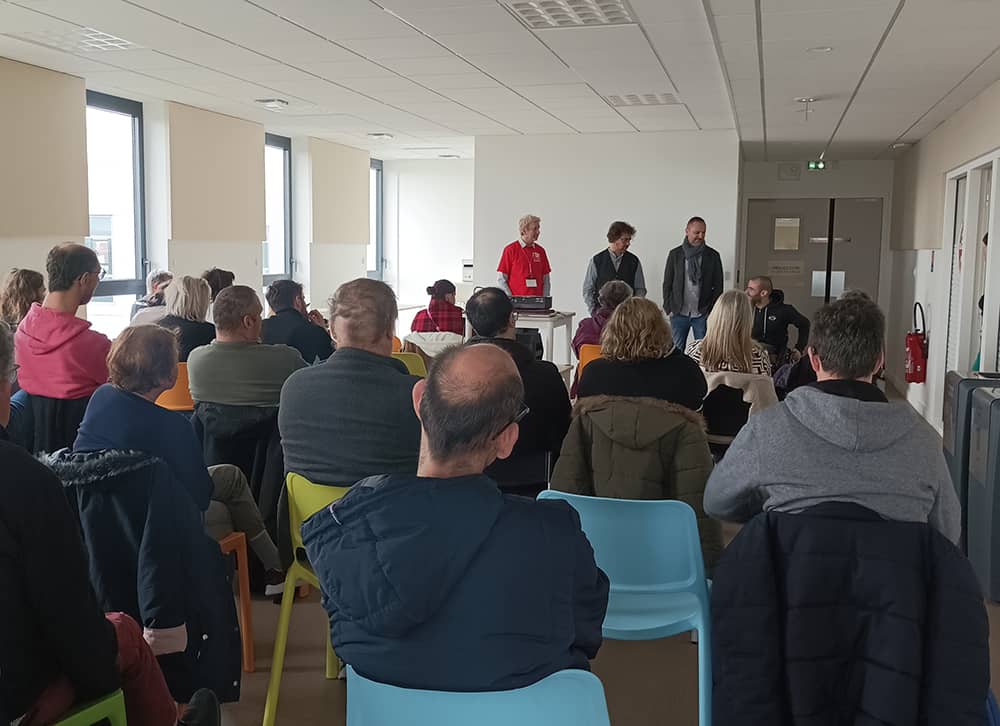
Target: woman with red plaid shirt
(441, 315)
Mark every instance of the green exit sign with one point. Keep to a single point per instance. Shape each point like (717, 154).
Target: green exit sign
(816, 165)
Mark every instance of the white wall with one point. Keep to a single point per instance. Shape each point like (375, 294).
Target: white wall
(579, 184)
(918, 234)
(841, 179)
(427, 212)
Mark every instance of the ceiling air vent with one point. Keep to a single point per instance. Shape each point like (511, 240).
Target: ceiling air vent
(643, 99)
(543, 14)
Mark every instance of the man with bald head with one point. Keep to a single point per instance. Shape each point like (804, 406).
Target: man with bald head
(439, 581)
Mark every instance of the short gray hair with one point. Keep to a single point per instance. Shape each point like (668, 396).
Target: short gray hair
(188, 298)
(848, 336)
(526, 221)
(613, 293)
(6, 351)
(157, 276)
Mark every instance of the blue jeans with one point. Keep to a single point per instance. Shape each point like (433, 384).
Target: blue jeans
(681, 324)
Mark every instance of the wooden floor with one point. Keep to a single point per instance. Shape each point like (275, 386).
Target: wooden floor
(646, 683)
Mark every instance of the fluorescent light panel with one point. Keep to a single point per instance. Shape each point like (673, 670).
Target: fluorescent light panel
(541, 14)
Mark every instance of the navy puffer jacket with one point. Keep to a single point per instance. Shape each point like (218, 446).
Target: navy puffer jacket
(149, 557)
(837, 617)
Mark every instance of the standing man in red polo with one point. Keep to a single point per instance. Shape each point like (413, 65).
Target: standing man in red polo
(524, 267)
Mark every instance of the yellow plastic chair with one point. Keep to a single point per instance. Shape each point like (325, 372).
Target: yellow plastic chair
(178, 398)
(397, 344)
(110, 707)
(304, 500)
(413, 362)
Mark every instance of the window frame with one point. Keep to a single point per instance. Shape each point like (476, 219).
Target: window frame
(379, 271)
(128, 107)
(285, 144)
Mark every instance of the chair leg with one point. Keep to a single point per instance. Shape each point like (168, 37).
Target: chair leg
(280, 643)
(704, 675)
(246, 607)
(332, 662)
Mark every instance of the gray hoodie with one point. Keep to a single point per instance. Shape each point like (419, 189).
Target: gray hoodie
(817, 447)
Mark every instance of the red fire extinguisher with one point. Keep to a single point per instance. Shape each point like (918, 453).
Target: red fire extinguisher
(916, 348)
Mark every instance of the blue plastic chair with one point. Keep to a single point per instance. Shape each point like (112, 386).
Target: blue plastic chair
(651, 553)
(566, 698)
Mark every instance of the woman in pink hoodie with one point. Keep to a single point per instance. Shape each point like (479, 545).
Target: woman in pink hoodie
(611, 295)
(58, 354)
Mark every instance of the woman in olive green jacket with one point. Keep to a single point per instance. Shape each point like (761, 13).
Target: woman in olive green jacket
(639, 448)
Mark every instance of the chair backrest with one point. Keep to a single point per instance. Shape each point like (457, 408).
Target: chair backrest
(642, 545)
(304, 500)
(414, 363)
(397, 344)
(565, 698)
(725, 411)
(588, 352)
(178, 398)
(110, 708)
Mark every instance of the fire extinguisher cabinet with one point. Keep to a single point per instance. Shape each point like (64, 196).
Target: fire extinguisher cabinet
(958, 390)
(984, 490)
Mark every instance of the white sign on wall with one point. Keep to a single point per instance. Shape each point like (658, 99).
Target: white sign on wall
(784, 268)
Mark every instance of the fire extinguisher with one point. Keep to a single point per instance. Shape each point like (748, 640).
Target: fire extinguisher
(916, 348)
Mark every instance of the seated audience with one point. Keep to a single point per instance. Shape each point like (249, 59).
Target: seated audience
(123, 415)
(218, 280)
(20, 289)
(61, 360)
(771, 318)
(187, 300)
(838, 439)
(441, 315)
(639, 448)
(493, 320)
(58, 354)
(588, 332)
(437, 580)
(727, 345)
(638, 358)
(352, 415)
(236, 369)
(151, 308)
(292, 323)
(57, 649)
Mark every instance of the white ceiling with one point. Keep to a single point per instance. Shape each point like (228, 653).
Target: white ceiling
(436, 73)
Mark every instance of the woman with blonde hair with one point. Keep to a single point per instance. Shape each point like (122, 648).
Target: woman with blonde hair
(187, 302)
(728, 345)
(20, 289)
(638, 358)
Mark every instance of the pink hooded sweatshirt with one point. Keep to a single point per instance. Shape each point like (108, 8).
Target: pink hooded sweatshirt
(59, 355)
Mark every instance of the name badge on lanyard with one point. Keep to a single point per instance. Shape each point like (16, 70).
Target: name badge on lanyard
(532, 256)
(531, 282)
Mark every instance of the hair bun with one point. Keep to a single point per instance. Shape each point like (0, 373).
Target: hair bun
(430, 290)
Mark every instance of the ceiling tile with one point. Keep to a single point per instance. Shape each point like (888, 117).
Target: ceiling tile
(414, 45)
(490, 42)
(462, 19)
(736, 29)
(660, 118)
(449, 81)
(448, 64)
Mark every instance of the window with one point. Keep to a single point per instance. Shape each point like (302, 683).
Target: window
(374, 255)
(117, 227)
(277, 251)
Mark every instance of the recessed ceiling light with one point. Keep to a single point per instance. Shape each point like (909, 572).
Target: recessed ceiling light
(900, 145)
(805, 99)
(380, 136)
(273, 104)
(449, 156)
(820, 49)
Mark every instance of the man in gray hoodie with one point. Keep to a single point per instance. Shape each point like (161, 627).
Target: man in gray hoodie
(838, 439)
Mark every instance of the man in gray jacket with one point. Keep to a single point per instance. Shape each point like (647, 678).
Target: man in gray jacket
(838, 439)
(692, 282)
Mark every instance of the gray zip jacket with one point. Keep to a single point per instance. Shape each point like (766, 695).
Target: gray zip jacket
(817, 447)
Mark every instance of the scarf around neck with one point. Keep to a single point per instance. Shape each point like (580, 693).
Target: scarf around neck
(692, 256)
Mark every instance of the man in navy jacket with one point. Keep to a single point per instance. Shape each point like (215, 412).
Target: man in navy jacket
(438, 580)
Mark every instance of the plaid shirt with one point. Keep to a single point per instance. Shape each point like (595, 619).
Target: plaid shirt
(439, 317)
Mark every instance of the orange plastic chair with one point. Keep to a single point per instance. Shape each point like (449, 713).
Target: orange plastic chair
(178, 398)
(236, 543)
(588, 352)
(397, 345)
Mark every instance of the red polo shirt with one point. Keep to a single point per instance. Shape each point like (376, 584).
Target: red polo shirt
(523, 263)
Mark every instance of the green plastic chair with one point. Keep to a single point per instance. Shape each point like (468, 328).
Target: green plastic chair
(413, 362)
(110, 707)
(304, 500)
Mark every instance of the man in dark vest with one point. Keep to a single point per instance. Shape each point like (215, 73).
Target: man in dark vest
(616, 263)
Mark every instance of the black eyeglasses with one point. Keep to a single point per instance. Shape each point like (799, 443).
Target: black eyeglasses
(517, 419)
